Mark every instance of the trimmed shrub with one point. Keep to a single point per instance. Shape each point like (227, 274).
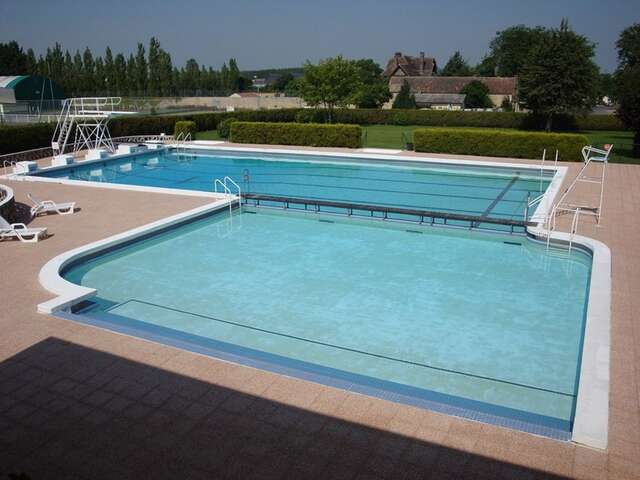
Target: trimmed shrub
(185, 127)
(224, 127)
(309, 116)
(309, 134)
(15, 138)
(498, 143)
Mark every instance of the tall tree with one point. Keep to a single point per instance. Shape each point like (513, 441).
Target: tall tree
(560, 75)
(154, 67)
(510, 48)
(334, 82)
(456, 67)
(109, 71)
(32, 63)
(487, 66)
(13, 61)
(405, 98)
(374, 89)
(131, 75)
(234, 75)
(142, 74)
(88, 71)
(120, 74)
(191, 76)
(628, 82)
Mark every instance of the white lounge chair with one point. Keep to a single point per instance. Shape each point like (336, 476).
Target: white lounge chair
(20, 231)
(48, 206)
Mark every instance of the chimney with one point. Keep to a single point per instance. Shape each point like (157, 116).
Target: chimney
(421, 63)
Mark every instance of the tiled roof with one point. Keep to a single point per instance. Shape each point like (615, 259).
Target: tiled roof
(410, 66)
(497, 85)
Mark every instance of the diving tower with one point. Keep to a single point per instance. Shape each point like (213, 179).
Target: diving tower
(84, 121)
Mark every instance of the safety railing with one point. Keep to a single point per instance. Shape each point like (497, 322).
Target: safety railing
(224, 185)
(382, 212)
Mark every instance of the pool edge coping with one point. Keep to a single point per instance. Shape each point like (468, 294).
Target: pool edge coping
(592, 405)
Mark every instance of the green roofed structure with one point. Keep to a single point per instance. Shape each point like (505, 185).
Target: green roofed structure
(29, 88)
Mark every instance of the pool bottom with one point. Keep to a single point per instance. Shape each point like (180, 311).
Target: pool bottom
(550, 427)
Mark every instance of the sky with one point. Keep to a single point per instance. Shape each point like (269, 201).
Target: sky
(286, 33)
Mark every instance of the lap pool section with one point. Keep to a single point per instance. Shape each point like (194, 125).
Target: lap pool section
(484, 191)
(484, 326)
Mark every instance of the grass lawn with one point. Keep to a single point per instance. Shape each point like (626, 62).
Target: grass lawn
(390, 136)
(208, 135)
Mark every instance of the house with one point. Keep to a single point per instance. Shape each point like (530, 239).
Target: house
(440, 101)
(406, 66)
(421, 75)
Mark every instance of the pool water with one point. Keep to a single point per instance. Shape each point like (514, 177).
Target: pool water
(488, 323)
(496, 192)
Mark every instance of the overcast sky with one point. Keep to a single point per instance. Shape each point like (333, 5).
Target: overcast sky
(284, 33)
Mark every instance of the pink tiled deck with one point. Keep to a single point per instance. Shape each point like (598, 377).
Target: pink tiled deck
(81, 402)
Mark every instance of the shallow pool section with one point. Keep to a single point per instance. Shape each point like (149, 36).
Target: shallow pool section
(498, 192)
(483, 326)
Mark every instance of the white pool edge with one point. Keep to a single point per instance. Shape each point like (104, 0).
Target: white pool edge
(592, 404)
(68, 293)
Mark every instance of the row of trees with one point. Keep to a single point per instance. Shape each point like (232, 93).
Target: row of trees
(148, 72)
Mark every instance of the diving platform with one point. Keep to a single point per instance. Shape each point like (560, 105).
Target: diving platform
(83, 123)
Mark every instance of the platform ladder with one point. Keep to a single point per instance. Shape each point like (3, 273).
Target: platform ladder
(225, 188)
(87, 118)
(590, 154)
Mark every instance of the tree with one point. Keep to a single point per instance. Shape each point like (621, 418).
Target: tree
(606, 86)
(120, 74)
(560, 75)
(405, 98)
(374, 89)
(456, 67)
(234, 75)
(332, 83)
(282, 81)
(628, 82)
(13, 61)
(476, 95)
(487, 67)
(141, 71)
(510, 48)
(88, 71)
(154, 67)
(109, 71)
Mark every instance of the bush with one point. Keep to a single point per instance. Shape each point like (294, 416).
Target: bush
(185, 127)
(308, 134)
(224, 127)
(498, 143)
(15, 138)
(309, 116)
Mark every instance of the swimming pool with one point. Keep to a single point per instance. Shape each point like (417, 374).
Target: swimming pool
(485, 191)
(485, 326)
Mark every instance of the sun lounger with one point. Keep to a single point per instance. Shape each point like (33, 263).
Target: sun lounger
(20, 231)
(48, 206)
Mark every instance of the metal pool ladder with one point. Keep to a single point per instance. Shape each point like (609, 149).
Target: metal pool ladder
(224, 185)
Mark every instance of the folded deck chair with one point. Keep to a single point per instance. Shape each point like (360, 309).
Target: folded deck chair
(20, 231)
(48, 206)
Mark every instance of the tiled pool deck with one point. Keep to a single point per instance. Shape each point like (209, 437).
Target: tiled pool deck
(81, 402)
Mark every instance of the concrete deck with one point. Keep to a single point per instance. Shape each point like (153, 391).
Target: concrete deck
(81, 402)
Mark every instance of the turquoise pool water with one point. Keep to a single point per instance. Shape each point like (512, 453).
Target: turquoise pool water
(492, 192)
(489, 323)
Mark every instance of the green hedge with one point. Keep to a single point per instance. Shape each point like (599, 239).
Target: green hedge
(224, 127)
(308, 134)
(185, 127)
(25, 137)
(156, 124)
(498, 143)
